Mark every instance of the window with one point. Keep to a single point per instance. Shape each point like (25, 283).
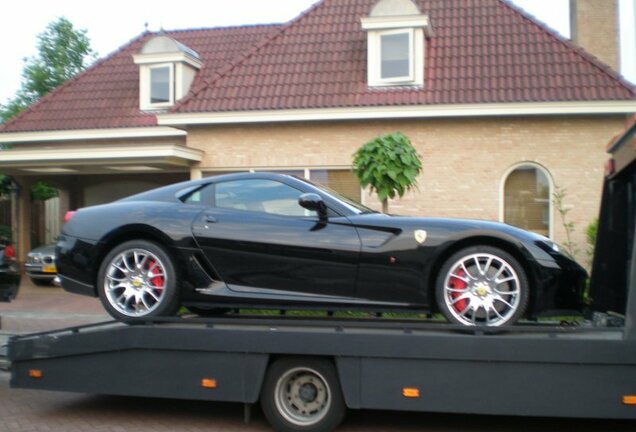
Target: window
(160, 85)
(260, 195)
(342, 181)
(167, 69)
(395, 54)
(395, 43)
(526, 201)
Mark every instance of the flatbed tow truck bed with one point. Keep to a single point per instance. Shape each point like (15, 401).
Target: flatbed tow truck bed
(530, 370)
(306, 371)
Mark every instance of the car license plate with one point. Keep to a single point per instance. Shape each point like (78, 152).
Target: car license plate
(50, 268)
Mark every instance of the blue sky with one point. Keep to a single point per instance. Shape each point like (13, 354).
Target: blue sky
(112, 26)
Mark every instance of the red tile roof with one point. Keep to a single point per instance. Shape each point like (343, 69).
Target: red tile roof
(481, 51)
(107, 94)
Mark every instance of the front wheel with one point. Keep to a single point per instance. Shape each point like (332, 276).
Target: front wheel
(302, 395)
(482, 285)
(137, 279)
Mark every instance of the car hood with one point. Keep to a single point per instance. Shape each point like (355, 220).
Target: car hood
(446, 224)
(44, 250)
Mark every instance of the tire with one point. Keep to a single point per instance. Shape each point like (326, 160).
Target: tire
(302, 395)
(137, 279)
(482, 286)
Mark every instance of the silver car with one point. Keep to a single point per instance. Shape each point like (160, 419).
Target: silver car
(40, 265)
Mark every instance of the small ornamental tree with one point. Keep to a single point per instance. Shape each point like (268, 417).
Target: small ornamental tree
(389, 164)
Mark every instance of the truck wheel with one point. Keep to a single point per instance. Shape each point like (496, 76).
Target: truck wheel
(302, 395)
(138, 279)
(482, 285)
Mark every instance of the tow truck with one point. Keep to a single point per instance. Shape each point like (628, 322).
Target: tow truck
(306, 372)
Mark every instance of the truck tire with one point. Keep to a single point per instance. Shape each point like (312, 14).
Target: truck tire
(302, 395)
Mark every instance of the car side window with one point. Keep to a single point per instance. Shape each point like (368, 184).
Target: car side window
(203, 196)
(260, 195)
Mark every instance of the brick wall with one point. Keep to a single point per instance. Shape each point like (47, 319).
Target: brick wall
(595, 28)
(465, 160)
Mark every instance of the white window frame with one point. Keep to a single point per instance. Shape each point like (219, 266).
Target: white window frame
(502, 192)
(145, 89)
(416, 57)
(378, 60)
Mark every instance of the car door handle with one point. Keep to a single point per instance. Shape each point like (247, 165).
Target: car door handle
(210, 219)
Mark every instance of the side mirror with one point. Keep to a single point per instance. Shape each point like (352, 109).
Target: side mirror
(313, 202)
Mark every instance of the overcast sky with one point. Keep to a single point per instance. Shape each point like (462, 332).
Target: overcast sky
(111, 24)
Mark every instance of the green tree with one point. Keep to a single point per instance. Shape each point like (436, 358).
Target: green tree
(389, 164)
(63, 52)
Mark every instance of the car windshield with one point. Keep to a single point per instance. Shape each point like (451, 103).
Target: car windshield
(352, 205)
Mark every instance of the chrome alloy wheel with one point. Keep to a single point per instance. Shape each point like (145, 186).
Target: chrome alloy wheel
(135, 282)
(302, 396)
(482, 289)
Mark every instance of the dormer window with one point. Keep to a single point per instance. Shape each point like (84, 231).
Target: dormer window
(395, 38)
(161, 85)
(166, 71)
(396, 55)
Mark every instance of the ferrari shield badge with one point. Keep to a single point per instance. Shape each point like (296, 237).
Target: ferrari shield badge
(420, 236)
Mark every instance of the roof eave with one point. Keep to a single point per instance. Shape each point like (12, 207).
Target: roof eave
(614, 107)
(90, 134)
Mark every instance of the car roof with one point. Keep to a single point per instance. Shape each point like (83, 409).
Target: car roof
(175, 191)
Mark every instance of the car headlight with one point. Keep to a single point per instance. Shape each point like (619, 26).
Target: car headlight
(34, 259)
(548, 246)
(552, 245)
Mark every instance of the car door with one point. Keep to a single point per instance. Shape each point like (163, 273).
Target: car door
(259, 239)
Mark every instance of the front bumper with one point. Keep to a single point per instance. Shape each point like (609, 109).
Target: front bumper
(36, 272)
(560, 288)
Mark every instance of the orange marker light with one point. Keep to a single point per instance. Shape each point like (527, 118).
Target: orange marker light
(410, 392)
(208, 383)
(35, 373)
(629, 400)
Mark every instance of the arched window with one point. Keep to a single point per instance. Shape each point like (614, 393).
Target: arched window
(527, 198)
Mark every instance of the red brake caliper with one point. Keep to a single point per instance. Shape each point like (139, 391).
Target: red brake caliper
(156, 281)
(458, 284)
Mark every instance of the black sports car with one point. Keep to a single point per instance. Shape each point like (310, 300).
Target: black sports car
(275, 241)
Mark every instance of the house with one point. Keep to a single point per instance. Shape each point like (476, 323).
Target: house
(501, 109)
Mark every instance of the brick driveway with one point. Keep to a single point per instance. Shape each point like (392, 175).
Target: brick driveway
(46, 308)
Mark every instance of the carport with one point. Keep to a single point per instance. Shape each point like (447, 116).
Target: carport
(89, 174)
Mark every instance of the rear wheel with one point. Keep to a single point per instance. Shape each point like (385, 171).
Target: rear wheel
(482, 285)
(302, 395)
(138, 279)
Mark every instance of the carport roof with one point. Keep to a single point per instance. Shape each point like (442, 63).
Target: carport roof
(92, 159)
(482, 52)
